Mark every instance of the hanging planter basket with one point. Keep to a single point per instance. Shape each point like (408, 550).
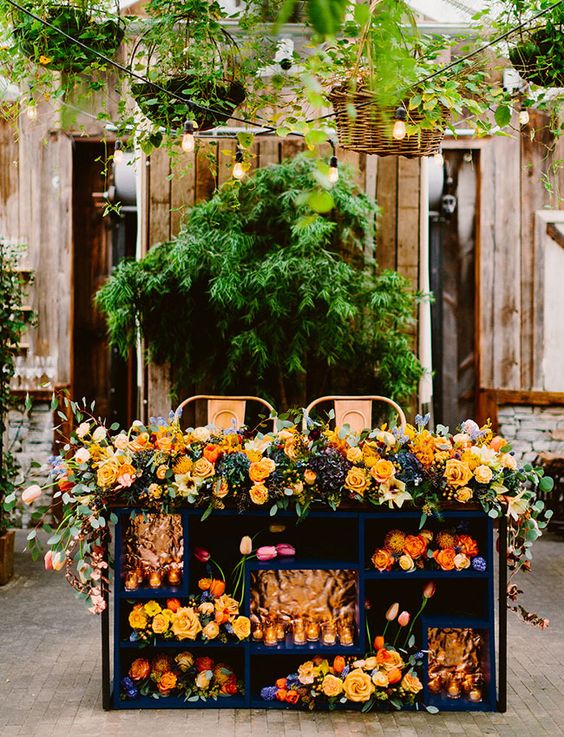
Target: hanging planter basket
(97, 29)
(370, 130)
(539, 57)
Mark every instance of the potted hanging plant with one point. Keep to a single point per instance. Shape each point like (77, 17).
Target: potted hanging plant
(89, 21)
(187, 52)
(538, 54)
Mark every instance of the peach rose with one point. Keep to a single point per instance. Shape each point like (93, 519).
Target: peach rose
(406, 563)
(140, 669)
(462, 440)
(461, 561)
(464, 494)
(310, 476)
(358, 686)
(483, 474)
(415, 546)
(242, 627)
(380, 679)
(203, 469)
(356, 480)
(497, 443)
(508, 461)
(261, 470)
(354, 455)
(331, 685)
(383, 470)
(164, 443)
(206, 608)
(107, 474)
(258, 493)
(411, 683)
(457, 473)
(186, 624)
(306, 672)
(211, 630)
(389, 660)
(445, 558)
(382, 560)
(203, 680)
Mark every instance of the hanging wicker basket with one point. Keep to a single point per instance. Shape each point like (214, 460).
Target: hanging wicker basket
(370, 130)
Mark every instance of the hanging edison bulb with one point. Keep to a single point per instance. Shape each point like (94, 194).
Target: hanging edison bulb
(238, 168)
(188, 141)
(31, 111)
(333, 170)
(118, 152)
(524, 117)
(400, 131)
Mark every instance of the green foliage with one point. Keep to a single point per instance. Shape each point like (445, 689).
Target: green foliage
(259, 293)
(13, 322)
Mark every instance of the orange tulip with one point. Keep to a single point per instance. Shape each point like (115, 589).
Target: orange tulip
(339, 664)
(204, 584)
(217, 587)
(394, 676)
(378, 642)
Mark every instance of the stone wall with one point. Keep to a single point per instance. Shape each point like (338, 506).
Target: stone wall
(532, 430)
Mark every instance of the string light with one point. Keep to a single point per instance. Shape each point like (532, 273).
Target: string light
(238, 169)
(118, 152)
(31, 111)
(400, 116)
(523, 117)
(439, 158)
(188, 142)
(333, 170)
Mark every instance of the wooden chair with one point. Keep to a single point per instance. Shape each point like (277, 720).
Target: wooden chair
(223, 410)
(355, 411)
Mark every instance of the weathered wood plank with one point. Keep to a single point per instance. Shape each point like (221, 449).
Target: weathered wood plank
(387, 199)
(206, 170)
(485, 249)
(407, 259)
(159, 197)
(182, 190)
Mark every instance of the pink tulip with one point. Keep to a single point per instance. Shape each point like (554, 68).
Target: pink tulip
(31, 494)
(201, 554)
(285, 550)
(429, 589)
(392, 612)
(58, 561)
(48, 560)
(267, 552)
(403, 619)
(246, 545)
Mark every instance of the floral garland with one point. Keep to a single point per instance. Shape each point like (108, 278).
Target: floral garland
(446, 550)
(203, 618)
(161, 466)
(183, 676)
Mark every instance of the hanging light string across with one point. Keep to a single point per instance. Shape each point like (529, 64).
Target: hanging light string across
(264, 126)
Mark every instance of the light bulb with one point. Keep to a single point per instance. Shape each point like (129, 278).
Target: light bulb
(439, 158)
(118, 152)
(400, 116)
(238, 169)
(188, 142)
(523, 117)
(333, 175)
(31, 112)
(399, 131)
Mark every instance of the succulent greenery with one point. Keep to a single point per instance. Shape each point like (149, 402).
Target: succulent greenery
(259, 293)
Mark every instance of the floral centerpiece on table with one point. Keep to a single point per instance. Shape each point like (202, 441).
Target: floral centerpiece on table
(204, 617)
(446, 550)
(160, 465)
(183, 675)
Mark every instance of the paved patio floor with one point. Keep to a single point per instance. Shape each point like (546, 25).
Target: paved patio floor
(50, 675)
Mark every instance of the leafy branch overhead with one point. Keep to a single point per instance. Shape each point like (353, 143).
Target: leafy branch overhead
(258, 291)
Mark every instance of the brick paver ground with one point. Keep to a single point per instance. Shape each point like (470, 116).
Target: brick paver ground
(50, 675)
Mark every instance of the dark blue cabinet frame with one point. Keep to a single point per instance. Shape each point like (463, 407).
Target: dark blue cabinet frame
(358, 562)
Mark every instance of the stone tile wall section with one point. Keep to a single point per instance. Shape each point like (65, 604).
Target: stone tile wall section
(532, 430)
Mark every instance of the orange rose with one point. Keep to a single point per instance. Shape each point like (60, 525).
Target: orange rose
(212, 453)
(140, 669)
(281, 694)
(457, 473)
(382, 560)
(415, 546)
(411, 683)
(280, 683)
(382, 471)
(203, 469)
(204, 584)
(258, 493)
(389, 660)
(467, 545)
(339, 664)
(173, 604)
(164, 443)
(292, 697)
(445, 558)
(394, 676)
(166, 682)
(356, 480)
(261, 470)
(217, 587)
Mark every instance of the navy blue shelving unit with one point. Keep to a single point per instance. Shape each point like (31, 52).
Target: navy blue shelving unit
(326, 540)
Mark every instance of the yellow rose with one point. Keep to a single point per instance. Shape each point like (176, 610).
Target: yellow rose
(186, 624)
(242, 627)
(306, 672)
(483, 474)
(358, 686)
(370, 454)
(258, 493)
(155, 491)
(161, 472)
(382, 471)
(411, 683)
(182, 465)
(152, 608)
(356, 480)
(292, 448)
(184, 660)
(370, 663)
(202, 680)
(380, 679)
(457, 473)
(464, 494)
(462, 440)
(138, 619)
(227, 606)
(508, 461)
(160, 623)
(331, 685)
(261, 470)
(203, 469)
(354, 455)
(211, 630)
(108, 472)
(406, 562)
(310, 476)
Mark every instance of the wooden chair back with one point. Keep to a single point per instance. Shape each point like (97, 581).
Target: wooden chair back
(355, 411)
(225, 411)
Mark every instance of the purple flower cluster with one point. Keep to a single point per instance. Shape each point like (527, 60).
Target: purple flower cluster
(268, 693)
(479, 564)
(129, 688)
